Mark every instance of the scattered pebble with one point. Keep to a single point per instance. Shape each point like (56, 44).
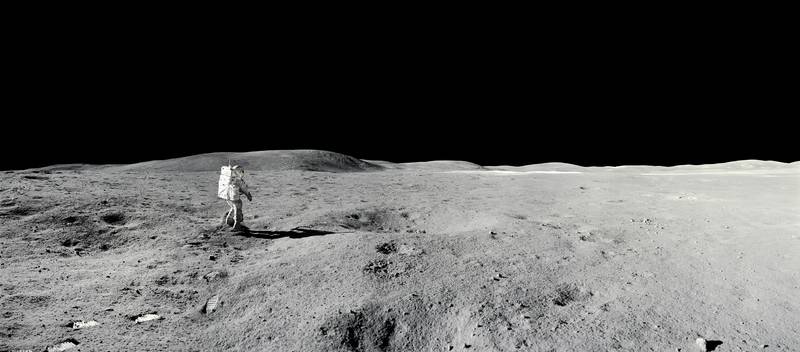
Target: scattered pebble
(211, 304)
(147, 317)
(701, 342)
(84, 324)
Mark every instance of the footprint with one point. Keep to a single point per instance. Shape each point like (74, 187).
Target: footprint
(568, 293)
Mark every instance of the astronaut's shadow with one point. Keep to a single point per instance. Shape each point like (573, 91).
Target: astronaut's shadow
(297, 232)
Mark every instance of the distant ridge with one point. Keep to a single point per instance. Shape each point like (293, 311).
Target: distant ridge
(741, 164)
(269, 160)
(538, 167)
(321, 160)
(441, 165)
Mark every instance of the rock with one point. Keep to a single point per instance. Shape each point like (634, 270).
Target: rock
(211, 276)
(147, 317)
(211, 304)
(701, 342)
(84, 324)
(764, 346)
(63, 346)
(212, 257)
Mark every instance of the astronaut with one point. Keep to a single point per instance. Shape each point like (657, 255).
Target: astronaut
(231, 187)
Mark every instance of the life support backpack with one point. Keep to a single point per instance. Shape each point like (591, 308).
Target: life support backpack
(230, 178)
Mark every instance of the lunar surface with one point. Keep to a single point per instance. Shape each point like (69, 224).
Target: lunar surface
(345, 254)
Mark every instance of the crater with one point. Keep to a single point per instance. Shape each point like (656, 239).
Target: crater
(113, 218)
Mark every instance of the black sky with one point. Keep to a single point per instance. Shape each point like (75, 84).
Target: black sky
(493, 101)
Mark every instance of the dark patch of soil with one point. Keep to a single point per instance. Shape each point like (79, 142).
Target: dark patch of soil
(378, 266)
(565, 295)
(19, 211)
(69, 242)
(367, 330)
(386, 248)
(24, 301)
(91, 237)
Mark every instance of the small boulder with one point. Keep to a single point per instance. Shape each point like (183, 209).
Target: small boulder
(63, 346)
(147, 317)
(701, 343)
(211, 304)
(84, 324)
(211, 276)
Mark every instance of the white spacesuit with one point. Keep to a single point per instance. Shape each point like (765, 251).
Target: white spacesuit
(231, 187)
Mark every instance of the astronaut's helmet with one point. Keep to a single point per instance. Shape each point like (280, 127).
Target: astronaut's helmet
(237, 171)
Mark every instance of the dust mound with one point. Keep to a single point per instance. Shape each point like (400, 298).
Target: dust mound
(270, 160)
